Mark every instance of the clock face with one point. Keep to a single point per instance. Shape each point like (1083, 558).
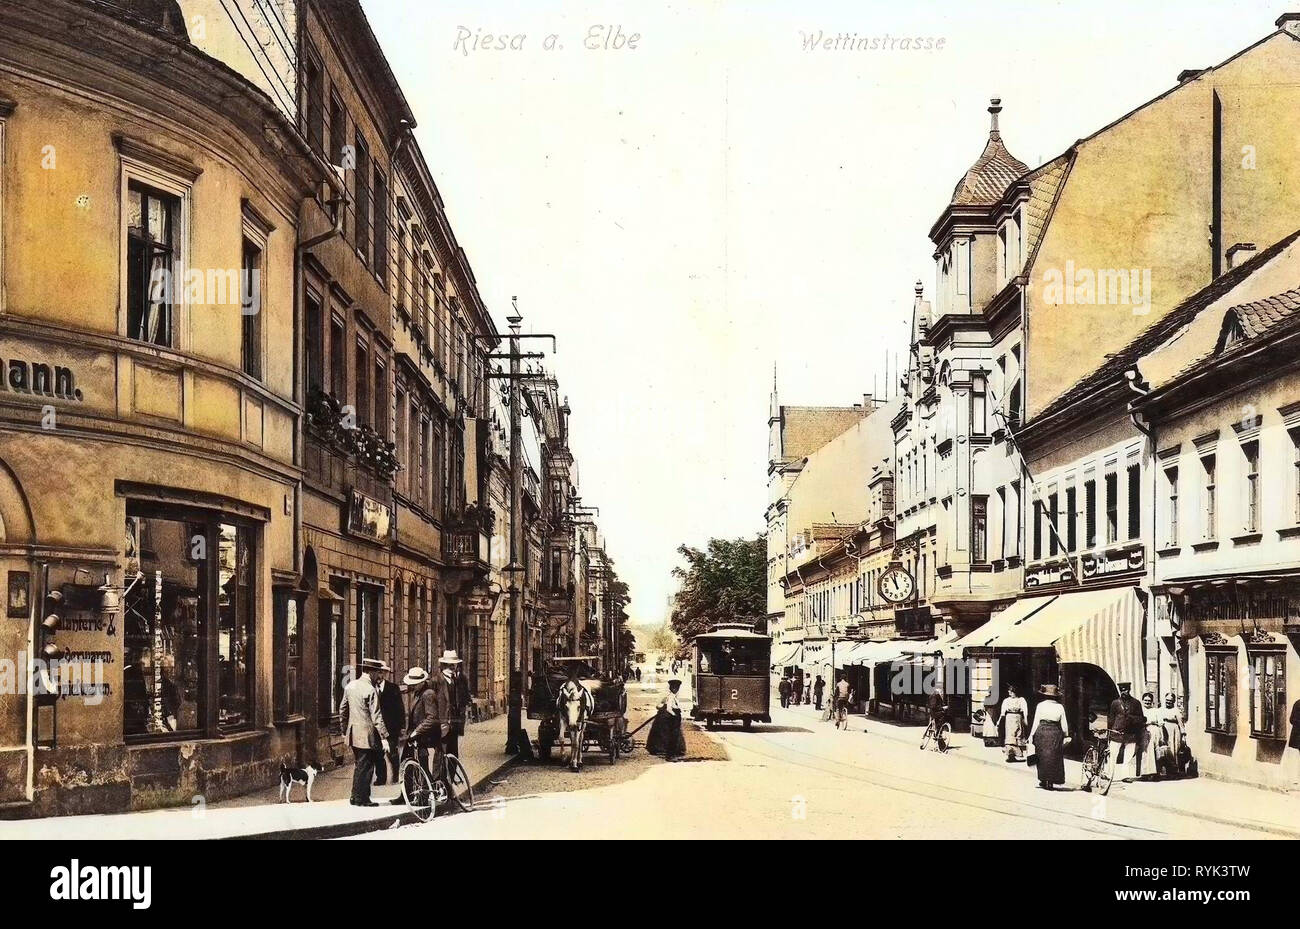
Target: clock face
(896, 585)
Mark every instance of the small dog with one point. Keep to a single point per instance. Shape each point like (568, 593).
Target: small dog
(306, 775)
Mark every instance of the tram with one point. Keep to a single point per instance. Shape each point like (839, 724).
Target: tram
(731, 675)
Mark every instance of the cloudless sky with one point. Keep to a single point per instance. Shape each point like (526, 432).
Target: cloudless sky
(683, 214)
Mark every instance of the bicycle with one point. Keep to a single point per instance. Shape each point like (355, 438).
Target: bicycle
(842, 714)
(942, 737)
(424, 793)
(1096, 766)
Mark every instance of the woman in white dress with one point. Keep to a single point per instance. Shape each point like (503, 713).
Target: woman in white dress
(1153, 733)
(1015, 716)
(1172, 723)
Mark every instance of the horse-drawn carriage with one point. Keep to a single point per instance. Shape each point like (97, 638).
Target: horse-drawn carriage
(576, 724)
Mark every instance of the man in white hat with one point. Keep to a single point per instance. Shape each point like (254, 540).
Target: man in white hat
(363, 728)
(452, 672)
(428, 722)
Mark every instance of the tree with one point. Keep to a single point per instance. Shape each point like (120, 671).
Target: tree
(619, 598)
(726, 582)
(663, 641)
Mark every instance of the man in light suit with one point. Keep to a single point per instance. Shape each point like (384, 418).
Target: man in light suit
(364, 729)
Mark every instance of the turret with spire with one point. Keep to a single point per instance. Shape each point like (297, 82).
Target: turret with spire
(994, 170)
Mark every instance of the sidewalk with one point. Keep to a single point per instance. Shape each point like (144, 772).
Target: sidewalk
(262, 815)
(1269, 811)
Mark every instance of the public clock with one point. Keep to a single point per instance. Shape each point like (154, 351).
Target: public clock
(896, 585)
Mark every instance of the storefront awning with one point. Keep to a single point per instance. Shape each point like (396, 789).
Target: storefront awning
(870, 654)
(785, 655)
(1097, 627)
(1000, 623)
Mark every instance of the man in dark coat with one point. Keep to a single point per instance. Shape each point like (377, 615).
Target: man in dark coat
(1125, 721)
(428, 722)
(819, 687)
(394, 714)
(798, 689)
(453, 671)
(783, 689)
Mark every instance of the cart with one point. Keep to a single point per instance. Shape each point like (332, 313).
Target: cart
(606, 729)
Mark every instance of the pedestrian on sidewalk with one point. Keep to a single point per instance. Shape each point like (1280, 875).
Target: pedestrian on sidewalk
(393, 711)
(1171, 721)
(798, 689)
(666, 736)
(1153, 736)
(1050, 734)
(819, 688)
(1125, 721)
(784, 689)
(1014, 715)
(364, 729)
(453, 673)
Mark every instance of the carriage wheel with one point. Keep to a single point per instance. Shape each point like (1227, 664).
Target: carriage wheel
(417, 790)
(459, 785)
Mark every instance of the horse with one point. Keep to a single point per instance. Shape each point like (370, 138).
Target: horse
(575, 703)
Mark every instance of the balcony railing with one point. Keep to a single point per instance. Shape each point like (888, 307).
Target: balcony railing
(327, 422)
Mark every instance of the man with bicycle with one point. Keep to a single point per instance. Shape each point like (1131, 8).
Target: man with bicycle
(843, 696)
(430, 718)
(937, 706)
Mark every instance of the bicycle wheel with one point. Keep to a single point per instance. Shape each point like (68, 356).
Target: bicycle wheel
(1089, 768)
(943, 739)
(417, 790)
(459, 785)
(1103, 774)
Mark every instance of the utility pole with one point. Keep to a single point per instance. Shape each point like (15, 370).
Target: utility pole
(516, 738)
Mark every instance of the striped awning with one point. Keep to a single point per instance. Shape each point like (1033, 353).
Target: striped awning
(783, 656)
(1097, 627)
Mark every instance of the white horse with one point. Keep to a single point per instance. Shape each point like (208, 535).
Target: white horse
(575, 703)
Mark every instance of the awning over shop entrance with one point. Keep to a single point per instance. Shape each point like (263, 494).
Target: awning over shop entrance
(786, 655)
(999, 624)
(870, 654)
(1098, 627)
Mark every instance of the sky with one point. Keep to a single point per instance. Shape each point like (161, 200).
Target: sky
(713, 198)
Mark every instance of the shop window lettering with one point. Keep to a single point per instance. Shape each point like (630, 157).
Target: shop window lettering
(39, 379)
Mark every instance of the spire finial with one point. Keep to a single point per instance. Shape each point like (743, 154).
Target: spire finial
(920, 289)
(995, 107)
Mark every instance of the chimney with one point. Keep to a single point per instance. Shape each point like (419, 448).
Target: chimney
(1289, 23)
(1187, 75)
(1240, 253)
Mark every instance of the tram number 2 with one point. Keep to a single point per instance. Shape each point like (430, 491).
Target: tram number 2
(735, 694)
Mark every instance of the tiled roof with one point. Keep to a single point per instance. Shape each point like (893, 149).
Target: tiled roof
(1161, 331)
(1044, 184)
(1262, 315)
(994, 171)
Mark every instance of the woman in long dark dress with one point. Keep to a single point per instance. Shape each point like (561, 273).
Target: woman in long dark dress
(666, 736)
(1050, 733)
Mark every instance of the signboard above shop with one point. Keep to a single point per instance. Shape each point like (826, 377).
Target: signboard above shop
(369, 518)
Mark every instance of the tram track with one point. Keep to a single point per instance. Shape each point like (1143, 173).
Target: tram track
(900, 783)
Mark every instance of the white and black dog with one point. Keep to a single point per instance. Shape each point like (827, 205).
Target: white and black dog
(306, 775)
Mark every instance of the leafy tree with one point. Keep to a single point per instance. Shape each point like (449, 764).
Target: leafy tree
(619, 598)
(726, 582)
(663, 641)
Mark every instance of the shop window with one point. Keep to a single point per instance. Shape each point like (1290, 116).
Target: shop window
(179, 647)
(1221, 692)
(332, 654)
(153, 235)
(1267, 693)
(414, 622)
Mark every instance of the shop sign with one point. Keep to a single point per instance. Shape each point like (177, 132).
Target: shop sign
(1120, 561)
(480, 601)
(370, 518)
(1052, 572)
(39, 379)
